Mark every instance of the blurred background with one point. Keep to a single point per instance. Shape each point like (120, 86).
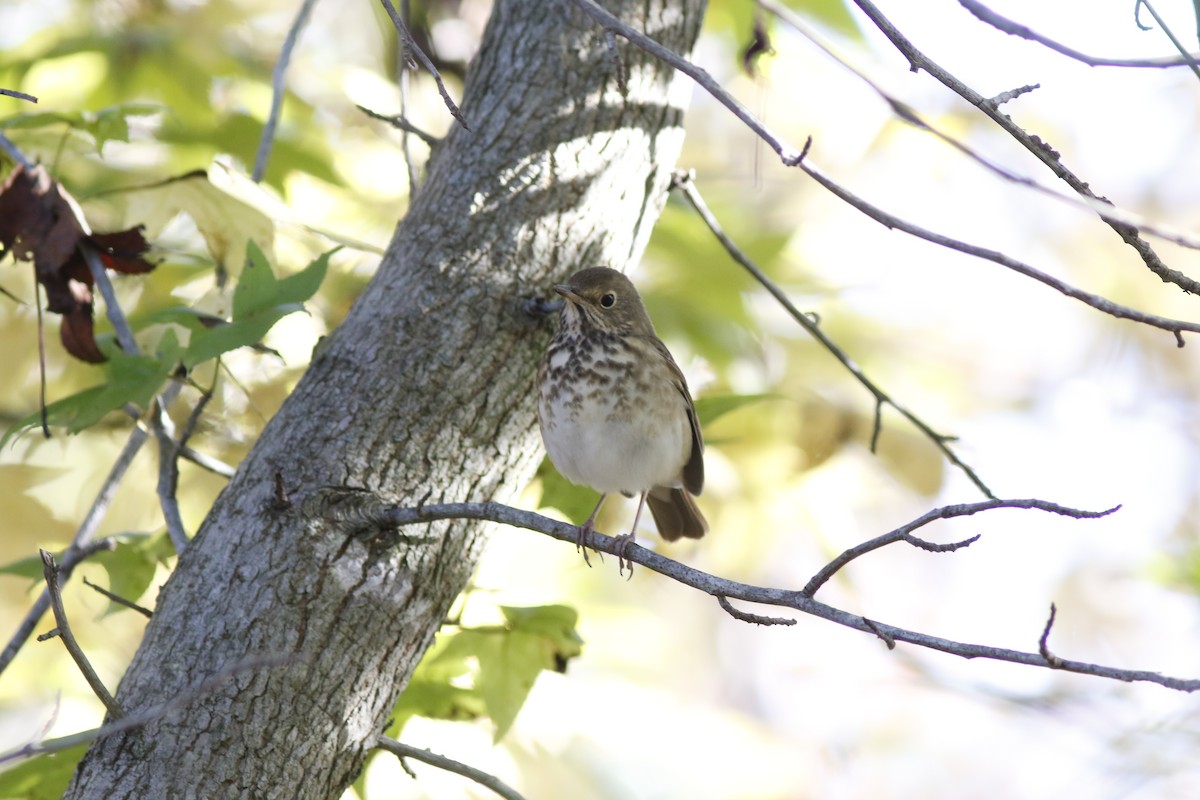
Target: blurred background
(672, 697)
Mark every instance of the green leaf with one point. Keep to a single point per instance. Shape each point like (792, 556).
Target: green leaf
(131, 564)
(540, 637)
(575, 502)
(226, 222)
(28, 567)
(709, 409)
(259, 301)
(107, 124)
(131, 379)
(831, 13)
(508, 667)
(431, 693)
(44, 777)
(503, 663)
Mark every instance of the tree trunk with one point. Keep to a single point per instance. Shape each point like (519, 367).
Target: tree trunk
(304, 636)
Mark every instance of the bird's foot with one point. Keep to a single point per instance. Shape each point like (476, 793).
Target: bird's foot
(622, 545)
(582, 538)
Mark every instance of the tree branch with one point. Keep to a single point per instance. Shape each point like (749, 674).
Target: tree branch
(410, 46)
(111, 307)
(1097, 302)
(63, 631)
(1047, 155)
(904, 533)
(485, 780)
(684, 183)
(121, 601)
(277, 89)
(146, 715)
(18, 95)
(364, 511)
(790, 155)
(1006, 25)
(82, 540)
(1191, 62)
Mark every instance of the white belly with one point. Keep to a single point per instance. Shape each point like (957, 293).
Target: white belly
(612, 447)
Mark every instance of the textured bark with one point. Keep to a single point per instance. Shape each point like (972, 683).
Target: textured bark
(424, 391)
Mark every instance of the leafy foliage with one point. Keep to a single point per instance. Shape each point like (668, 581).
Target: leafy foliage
(477, 671)
(43, 777)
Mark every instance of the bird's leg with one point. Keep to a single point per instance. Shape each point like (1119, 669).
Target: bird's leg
(624, 540)
(585, 531)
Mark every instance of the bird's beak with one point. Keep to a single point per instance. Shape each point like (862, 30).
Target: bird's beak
(565, 290)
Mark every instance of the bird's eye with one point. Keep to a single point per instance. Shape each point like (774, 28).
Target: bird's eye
(608, 300)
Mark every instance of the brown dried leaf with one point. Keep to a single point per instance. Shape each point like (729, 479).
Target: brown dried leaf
(40, 222)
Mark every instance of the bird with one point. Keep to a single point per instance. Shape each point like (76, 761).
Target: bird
(614, 409)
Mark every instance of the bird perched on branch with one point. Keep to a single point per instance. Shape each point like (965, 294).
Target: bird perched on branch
(615, 411)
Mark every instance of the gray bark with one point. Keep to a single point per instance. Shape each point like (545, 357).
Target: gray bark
(424, 391)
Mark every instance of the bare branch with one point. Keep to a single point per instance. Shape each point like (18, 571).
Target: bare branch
(14, 152)
(790, 155)
(145, 716)
(1191, 61)
(18, 95)
(414, 178)
(684, 183)
(1047, 155)
(168, 477)
(484, 779)
(904, 533)
(401, 122)
(121, 601)
(1097, 302)
(745, 616)
(385, 515)
(1006, 25)
(111, 307)
(82, 540)
(410, 46)
(50, 571)
(1043, 643)
(277, 90)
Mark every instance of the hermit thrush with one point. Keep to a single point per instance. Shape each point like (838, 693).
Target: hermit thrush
(614, 408)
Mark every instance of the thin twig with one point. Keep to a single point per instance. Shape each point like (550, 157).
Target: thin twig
(1044, 642)
(1191, 61)
(746, 616)
(684, 183)
(401, 122)
(82, 541)
(277, 90)
(14, 152)
(410, 165)
(904, 533)
(168, 476)
(137, 719)
(1047, 155)
(121, 601)
(710, 584)
(50, 571)
(904, 111)
(1097, 302)
(790, 155)
(410, 47)
(111, 307)
(18, 95)
(484, 779)
(1013, 28)
(43, 414)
